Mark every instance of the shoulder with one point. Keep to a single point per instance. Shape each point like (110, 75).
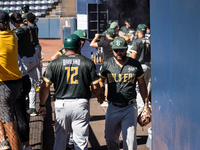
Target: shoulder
(85, 59)
(133, 61)
(123, 28)
(109, 61)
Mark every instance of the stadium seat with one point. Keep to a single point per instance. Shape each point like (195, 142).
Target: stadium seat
(18, 8)
(1, 3)
(37, 14)
(12, 9)
(6, 3)
(37, 8)
(31, 3)
(25, 2)
(19, 3)
(32, 8)
(44, 7)
(50, 3)
(37, 2)
(12, 3)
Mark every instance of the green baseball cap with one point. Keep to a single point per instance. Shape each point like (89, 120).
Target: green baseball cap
(82, 34)
(142, 27)
(110, 31)
(113, 25)
(24, 16)
(6, 11)
(119, 43)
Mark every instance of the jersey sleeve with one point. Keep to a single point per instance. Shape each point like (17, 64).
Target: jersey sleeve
(95, 78)
(140, 72)
(102, 72)
(134, 47)
(19, 32)
(100, 43)
(48, 74)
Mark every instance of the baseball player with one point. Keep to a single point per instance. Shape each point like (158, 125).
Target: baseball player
(83, 36)
(25, 8)
(127, 30)
(72, 75)
(141, 51)
(122, 72)
(34, 30)
(26, 52)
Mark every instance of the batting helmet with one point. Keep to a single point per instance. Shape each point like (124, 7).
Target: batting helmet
(25, 8)
(72, 41)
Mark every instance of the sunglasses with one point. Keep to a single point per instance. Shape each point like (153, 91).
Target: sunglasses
(117, 50)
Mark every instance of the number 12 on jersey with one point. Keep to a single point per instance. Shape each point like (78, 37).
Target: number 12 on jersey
(71, 73)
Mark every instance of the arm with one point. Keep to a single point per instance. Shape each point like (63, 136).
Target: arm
(133, 55)
(125, 37)
(96, 90)
(93, 42)
(143, 90)
(56, 55)
(44, 93)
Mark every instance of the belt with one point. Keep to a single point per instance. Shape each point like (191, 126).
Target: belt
(120, 105)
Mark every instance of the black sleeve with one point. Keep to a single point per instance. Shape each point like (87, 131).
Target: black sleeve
(26, 84)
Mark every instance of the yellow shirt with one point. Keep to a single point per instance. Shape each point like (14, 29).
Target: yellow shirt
(9, 69)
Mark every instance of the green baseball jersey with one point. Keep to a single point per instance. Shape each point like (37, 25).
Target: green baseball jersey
(72, 76)
(121, 80)
(25, 46)
(141, 46)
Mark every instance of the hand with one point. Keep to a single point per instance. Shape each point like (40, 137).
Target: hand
(96, 35)
(101, 98)
(43, 111)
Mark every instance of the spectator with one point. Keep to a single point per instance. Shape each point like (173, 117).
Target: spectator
(10, 81)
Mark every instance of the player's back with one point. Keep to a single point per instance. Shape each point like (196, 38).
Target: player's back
(72, 76)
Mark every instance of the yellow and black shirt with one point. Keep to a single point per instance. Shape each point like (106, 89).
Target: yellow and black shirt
(9, 69)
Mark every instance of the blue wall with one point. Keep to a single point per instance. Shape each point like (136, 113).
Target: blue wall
(175, 36)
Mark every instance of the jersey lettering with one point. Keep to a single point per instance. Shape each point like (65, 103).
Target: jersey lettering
(70, 77)
(129, 77)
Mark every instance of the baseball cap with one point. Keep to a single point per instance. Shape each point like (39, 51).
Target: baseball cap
(119, 43)
(113, 25)
(3, 16)
(82, 34)
(6, 11)
(110, 31)
(142, 27)
(24, 16)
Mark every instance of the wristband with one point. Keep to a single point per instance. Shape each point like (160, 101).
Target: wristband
(146, 101)
(42, 105)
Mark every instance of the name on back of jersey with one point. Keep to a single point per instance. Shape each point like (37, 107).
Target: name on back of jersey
(71, 62)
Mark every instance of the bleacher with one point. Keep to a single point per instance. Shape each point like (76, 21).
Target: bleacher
(38, 7)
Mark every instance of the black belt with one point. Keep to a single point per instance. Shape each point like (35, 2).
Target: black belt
(120, 105)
